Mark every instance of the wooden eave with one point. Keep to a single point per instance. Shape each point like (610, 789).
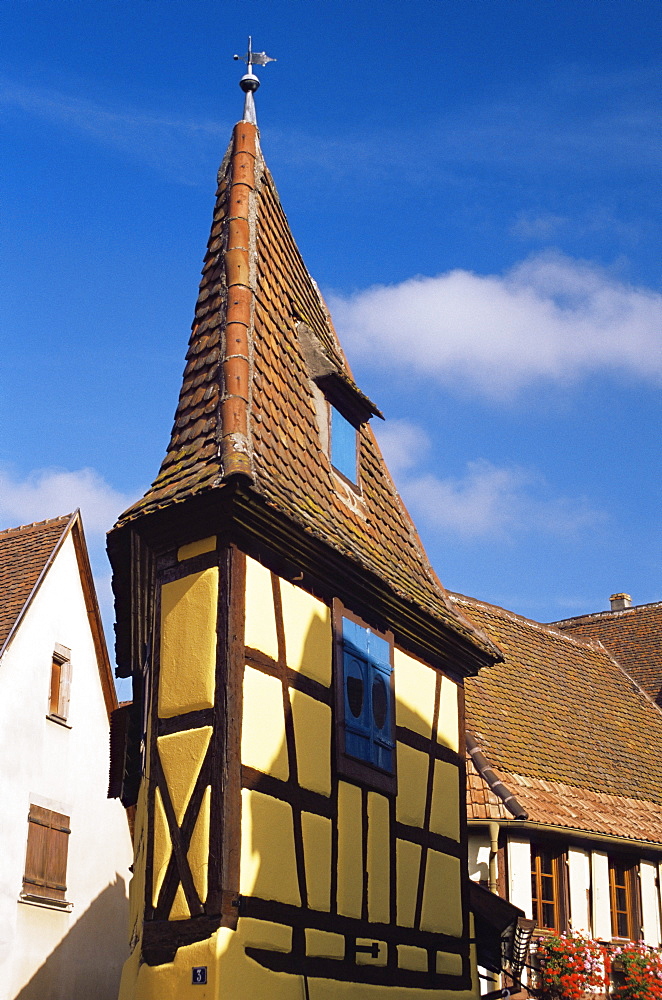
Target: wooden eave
(577, 834)
(236, 514)
(94, 615)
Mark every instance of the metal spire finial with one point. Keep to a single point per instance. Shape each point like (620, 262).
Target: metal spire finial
(249, 82)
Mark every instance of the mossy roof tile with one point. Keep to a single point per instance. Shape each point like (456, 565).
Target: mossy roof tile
(288, 464)
(566, 729)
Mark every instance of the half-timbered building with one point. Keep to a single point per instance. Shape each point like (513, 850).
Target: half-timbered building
(295, 747)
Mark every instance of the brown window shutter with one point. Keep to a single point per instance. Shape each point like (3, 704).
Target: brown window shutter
(54, 701)
(65, 689)
(120, 720)
(46, 856)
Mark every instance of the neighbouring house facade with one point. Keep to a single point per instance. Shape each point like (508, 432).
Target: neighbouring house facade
(65, 848)
(564, 781)
(295, 745)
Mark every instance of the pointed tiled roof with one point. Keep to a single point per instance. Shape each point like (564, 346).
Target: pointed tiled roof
(262, 340)
(566, 730)
(24, 555)
(633, 635)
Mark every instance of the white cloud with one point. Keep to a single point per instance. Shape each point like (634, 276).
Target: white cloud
(538, 226)
(549, 317)
(402, 444)
(47, 493)
(487, 501)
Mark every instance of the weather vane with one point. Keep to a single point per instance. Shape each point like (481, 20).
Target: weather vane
(249, 82)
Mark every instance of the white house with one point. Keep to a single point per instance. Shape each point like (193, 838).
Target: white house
(66, 848)
(564, 781)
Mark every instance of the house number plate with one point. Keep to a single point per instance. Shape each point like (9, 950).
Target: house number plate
(199, 975)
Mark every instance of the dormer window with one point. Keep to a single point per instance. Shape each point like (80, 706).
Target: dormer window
(344, 440)
(340, 406)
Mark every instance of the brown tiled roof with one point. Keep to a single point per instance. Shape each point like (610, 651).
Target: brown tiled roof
(24, 554)
(567, 731)
(553, 803)
(247, 404)
(633, 636)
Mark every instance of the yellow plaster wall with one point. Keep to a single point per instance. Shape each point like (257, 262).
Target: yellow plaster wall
(233, 975)
(328, 989)
(448, 728)
(414, 693)
(365, 958)
(137, 883)
(308, 639)
(196, 548)
(162, 846)
(411, 957)
(408, 864)
(260, 628)
(324, 944)
(188, 643)
(268, 865)
(449, 963)
(379, 909)
(412, 785)
(263, 729)
(181, 756)
(445, 812)
(316, 832)
(350, 850)
(198, 852)
(265, 934)
(442, 900)
(312, 734)
(179, 909)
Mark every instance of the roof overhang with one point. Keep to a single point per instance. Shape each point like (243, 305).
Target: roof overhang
(237, 515)
(576, 833)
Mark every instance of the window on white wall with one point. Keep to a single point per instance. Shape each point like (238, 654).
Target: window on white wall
(60, 686)
(547, 887)
(624, 898)
(45, 877)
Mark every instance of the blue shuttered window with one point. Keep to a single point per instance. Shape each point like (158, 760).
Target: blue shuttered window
(367, 695)
(343, 445)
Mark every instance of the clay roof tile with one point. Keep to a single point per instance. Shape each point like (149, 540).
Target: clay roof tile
(261, 414)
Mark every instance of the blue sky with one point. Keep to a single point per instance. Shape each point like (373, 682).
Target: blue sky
(474, 184)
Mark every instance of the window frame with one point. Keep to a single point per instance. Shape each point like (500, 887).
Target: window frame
(557, 856)
(355, 481)
(359, 771)
(630, 868)
(59, 694)
(46, 858)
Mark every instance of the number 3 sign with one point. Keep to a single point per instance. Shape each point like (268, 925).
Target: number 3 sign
(199, 975)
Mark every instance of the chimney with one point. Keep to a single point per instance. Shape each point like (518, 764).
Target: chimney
(619, 602)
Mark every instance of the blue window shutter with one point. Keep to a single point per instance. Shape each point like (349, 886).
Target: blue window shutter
(343, 445)
(368, 698)
(355, 636)
(381, 702)
(358, 741)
